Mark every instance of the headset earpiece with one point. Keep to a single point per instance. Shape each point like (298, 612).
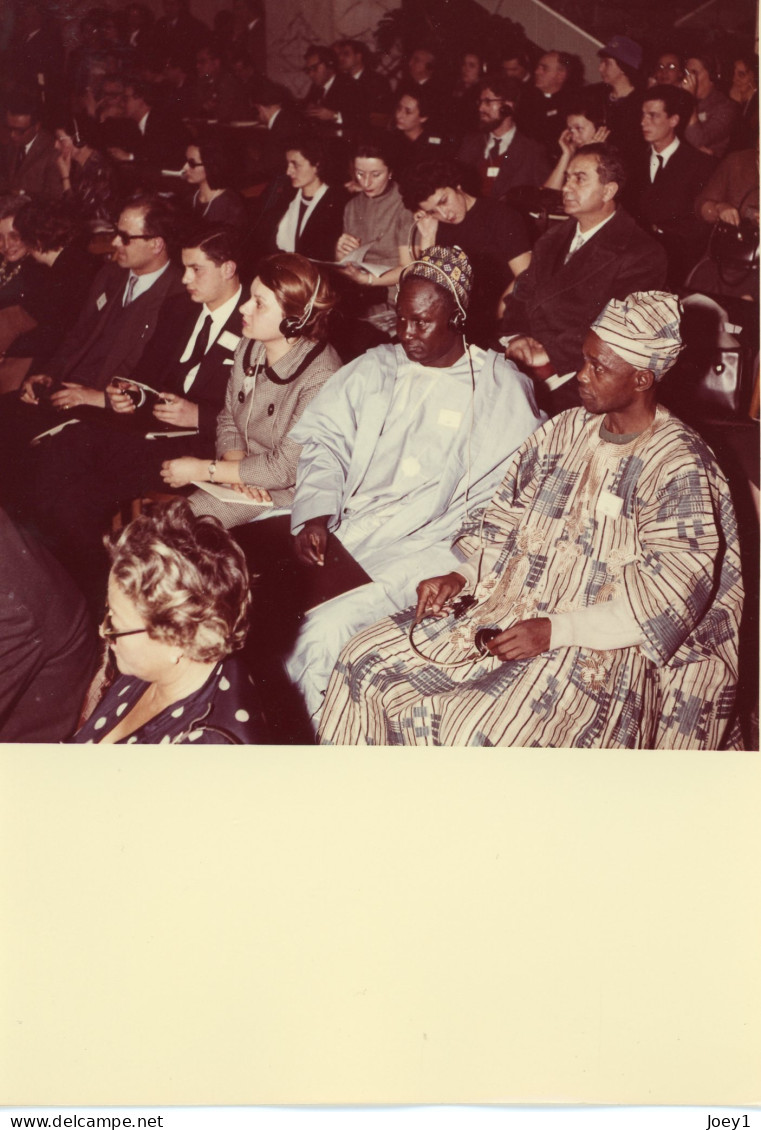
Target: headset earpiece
(294, 327)
(457, 322)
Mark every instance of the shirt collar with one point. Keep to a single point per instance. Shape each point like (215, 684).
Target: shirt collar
(143, 120)
(221, 314)
(666, 153)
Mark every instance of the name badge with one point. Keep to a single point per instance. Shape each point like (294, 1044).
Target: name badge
(492, 171)
(434, 141)
(702, 116)
(609, 504)
(229, 340)
(101, 302)
(551, 114)
(449, 419)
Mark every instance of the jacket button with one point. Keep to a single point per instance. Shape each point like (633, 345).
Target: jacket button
(241, 396)
(271, 409)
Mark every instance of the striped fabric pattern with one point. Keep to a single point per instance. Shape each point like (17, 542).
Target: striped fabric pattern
(671, 551)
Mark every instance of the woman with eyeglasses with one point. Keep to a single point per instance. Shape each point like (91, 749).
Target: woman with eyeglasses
(207, 169)
(178, 602)
(376, 216)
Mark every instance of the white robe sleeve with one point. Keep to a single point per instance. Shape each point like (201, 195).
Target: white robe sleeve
(603, 627)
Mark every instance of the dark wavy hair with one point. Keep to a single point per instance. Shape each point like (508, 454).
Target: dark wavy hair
(610, 165)
(188, 579)
(47, 225)
(422, 181)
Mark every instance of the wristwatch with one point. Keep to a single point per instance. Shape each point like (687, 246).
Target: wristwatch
(212, 470)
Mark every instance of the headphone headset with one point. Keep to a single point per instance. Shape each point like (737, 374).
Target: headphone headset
(294, 327)
(457, 320)
(75, 137)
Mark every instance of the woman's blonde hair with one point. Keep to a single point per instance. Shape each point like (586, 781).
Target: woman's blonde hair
(187, 578)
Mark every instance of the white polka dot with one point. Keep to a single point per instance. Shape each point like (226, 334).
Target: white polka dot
(125, 689)
(242, 715)
(131, 740)
(100, 723)
(224, 683)
(165, 740)
(121, 708)
(178, 712)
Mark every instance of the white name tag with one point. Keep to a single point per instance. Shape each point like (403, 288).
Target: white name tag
(228, 361)
(609, 504)
(229, 340)
(449, 419)
(492, 171)
(434, 141)
(551, 113)
(101, 302)
(702, 116)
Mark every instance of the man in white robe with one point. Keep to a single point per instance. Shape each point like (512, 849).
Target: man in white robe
(605, 584)
(399, 448)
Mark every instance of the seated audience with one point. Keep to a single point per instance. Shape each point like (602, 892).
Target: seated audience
(216, 93)
(605, 584)
(713, 117)
(311, 222)
(273, 108)
(207, 169)
(515, 63)
(730, 197)
(466, 93)
(376, 215)
(744, 91)
(668, 70)
(585, 125)
(177, 612)
(422, 76)
(371, 90)
(116, 322)
(411, 140)
(502, 156)
(575, 269)
(158, 140)
(82, 473)
(249, 33)
(178, 94)
(397, 448)
(330, 102)
(281, 363)
(493, 237)
(56, 242)
(178, 32)
(544, 104)
(665, 181)
(619, 93)
(28, 161)
(87, 176)
(47, 642)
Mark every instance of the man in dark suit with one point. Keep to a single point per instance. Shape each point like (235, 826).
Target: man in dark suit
(544, 105)
(330, 100)
(178, 33)
(28, 161)
(666, 179)
(272, 103)
(158, 140)
(503, 157)
(371, 90)
(118, 319)
(576, 268)
(84, 472)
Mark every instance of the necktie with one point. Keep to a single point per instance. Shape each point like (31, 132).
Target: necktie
(199, 346)
(20, 157)
(492, 156)
(131, 284)
(576, 243)
(659, 170)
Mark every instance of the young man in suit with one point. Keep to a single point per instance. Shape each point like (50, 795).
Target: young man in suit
(666, 180)
(503, 157)
(29, 159)
(85, 471)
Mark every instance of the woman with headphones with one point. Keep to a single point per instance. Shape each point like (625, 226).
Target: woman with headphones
(282, 362)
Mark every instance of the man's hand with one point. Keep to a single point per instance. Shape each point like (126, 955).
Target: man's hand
(728, 214)
(346, 244)
(524, 640)
(528, 351)
(118, 397)
(434, 593)
(176, 411)
(30, 385)
(322, 113)
(179, 472)
(310, 542)
(119, 154)
(74, 395)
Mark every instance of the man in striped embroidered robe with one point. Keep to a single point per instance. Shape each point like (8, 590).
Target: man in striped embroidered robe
(608, 564)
